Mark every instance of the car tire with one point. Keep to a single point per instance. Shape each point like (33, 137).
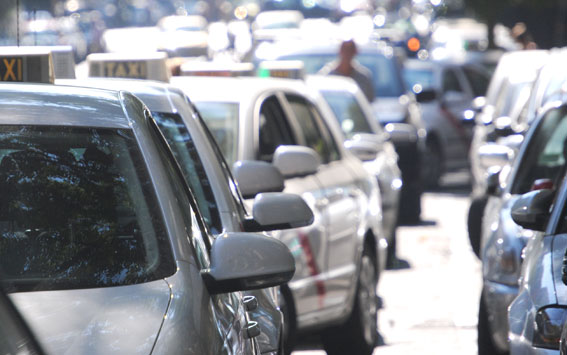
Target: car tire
(359, 334)
(485, 343)
(474, 222)
(433, 165)
(287, 307)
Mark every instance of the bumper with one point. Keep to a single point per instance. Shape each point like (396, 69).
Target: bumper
(497, 298)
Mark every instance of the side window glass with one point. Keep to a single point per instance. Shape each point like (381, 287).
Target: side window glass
(274, 129)
(451, 81)
(478, 82)
(315, 133)
(184, 150)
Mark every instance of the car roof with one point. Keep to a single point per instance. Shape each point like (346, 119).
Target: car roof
(235, 90)
(46, 104)
(153, 93)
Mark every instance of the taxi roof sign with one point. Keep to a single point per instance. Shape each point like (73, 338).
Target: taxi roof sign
(201, 68)
(149, 66)
(288, 69)
(26, 65)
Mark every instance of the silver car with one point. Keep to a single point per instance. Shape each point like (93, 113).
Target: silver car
(535, 316)
(339, 257)
(367, 140)
(212, 183)
(104, 249)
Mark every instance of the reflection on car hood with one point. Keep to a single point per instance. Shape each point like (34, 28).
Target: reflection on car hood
(113, 320)
(389, 109)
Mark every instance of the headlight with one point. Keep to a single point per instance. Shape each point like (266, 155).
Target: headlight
(502, 256)
(548, 326)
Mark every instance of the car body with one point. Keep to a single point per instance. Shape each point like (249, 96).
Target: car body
(541, 291)
(277, 121)
(452, 86)
(354, 113)
(207, 174)
(395, 108)
(98, 223)
(538, 164)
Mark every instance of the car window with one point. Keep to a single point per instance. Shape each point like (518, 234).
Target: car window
(274, 129)
(185, 151)
(547, 152)
(222, 119)
(313, 128)
(478, 82)
(419, 79)
(348, 112)
(451, 81)
(78, 210)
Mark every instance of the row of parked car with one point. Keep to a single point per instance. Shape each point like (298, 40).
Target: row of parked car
(516, 218)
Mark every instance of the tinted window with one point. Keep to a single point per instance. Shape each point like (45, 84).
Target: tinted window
(451, 81)
(222, 120)
(77, 210)
(479, 82)
(274, 129)
(313, 129)
(348, 112)
(546, 155)
(185, 152)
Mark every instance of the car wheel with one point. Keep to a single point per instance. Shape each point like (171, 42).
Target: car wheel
(359, 334)
(484, 336)
(433, 165)
(287, 307)
(474, 222)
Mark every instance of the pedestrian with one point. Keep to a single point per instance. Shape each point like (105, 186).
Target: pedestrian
(523, 37)
(346, 65)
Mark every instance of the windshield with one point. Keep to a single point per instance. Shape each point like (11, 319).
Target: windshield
(185, 152)
(545, 158)
(77, 210)
(348, 112)
(385, 74)
(222, 120)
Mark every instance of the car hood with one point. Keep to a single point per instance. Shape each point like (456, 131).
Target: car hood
(389, 110)
(124, 319)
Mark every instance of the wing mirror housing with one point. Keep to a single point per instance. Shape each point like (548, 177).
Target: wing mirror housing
(254, 177)
(362, 149)
(247, 261)
(296, 161)
(532, 209)
(503, 126)
(495, 155)
(401, 133)
(426, 95)
(278, 210)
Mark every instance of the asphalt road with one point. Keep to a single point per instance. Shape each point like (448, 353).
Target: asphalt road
(431, 305)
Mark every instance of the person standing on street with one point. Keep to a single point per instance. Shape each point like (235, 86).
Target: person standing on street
(346, 65)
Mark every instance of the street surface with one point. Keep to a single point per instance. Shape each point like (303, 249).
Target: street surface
(431, 307)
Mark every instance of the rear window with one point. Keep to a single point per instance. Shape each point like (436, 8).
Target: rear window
(77, 210)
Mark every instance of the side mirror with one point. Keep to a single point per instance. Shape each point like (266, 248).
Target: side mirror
(426, 95)
(531, 210)
(478, 103)
(378, 138)
(401, 133)
(254, 177)
(493, 183)
(276, 210)
(363, 150)
(247, 261)
(494, 155)
(296, 161)
(503, 126)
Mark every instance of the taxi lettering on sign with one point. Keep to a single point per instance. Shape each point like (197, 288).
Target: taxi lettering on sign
(125, 69)
(11, 69)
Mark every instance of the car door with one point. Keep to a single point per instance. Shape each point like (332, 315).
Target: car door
(308, 244)
(341, 193)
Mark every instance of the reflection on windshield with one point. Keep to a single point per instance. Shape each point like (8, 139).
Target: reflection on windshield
(77, 210)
